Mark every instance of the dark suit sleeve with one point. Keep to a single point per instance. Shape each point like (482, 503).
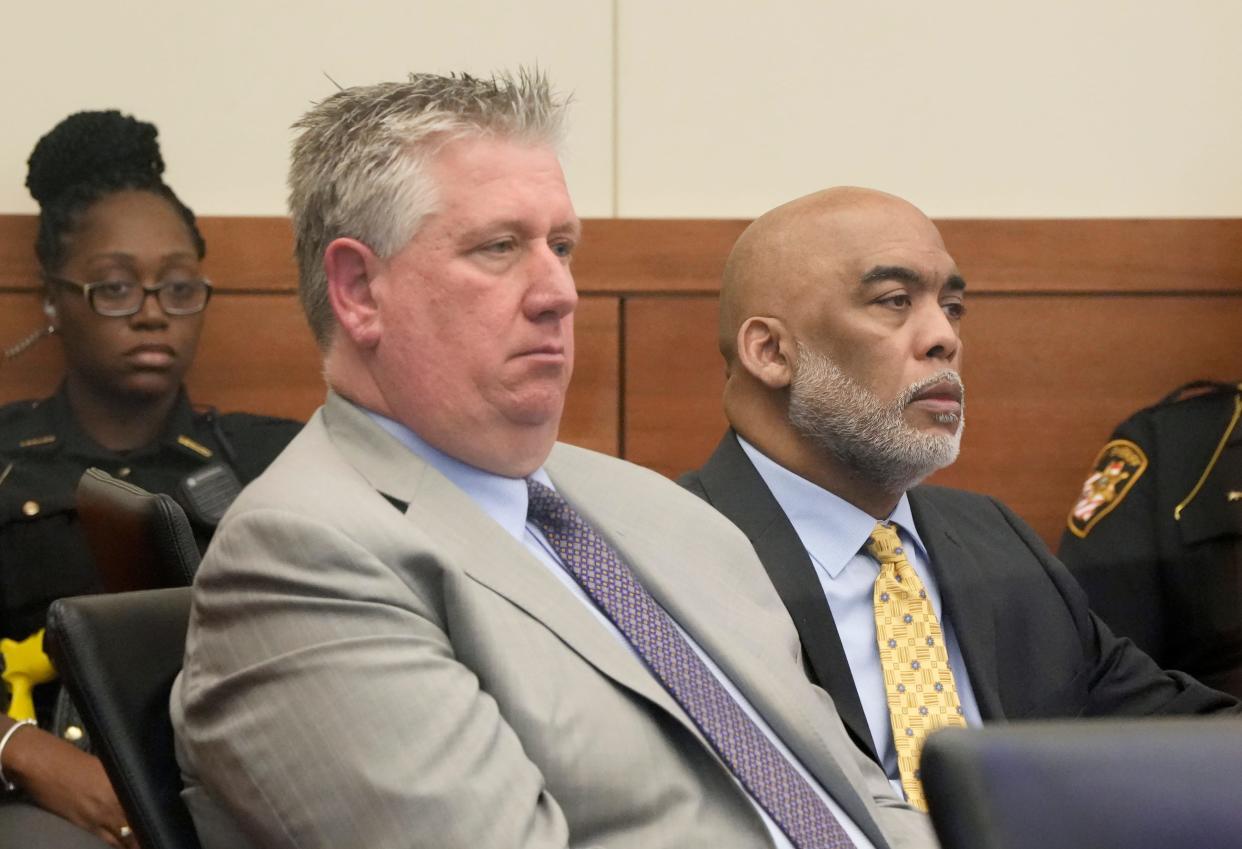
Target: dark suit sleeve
(1117, 563)
(1116, 677)
(691, 482)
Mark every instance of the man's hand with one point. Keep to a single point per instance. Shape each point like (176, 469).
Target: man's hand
(68, 782)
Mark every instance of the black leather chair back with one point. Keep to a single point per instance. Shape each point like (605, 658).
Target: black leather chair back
(118, 654)
(139, 540)
(1087, 784)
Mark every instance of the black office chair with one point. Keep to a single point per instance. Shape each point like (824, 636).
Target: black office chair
(139, 540)
(1087, 784)
(118, 655)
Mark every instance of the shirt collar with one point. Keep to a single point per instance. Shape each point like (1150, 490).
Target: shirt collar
(831, 529)
(502, 498)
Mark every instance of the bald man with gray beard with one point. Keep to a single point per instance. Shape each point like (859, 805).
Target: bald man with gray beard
(917, 606)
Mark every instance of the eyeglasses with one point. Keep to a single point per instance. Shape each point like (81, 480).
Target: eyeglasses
(116, 298)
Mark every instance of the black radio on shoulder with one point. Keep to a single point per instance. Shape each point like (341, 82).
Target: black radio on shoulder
(207, 493)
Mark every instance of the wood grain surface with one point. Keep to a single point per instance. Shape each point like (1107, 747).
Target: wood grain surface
(1073, 324)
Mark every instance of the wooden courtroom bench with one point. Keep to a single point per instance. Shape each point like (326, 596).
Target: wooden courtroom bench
(1072, 325)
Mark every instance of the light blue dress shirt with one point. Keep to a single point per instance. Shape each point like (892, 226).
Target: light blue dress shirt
(833, 531)
(505, 501)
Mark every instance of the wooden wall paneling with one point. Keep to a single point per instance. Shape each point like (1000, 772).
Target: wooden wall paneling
(257, 355)
(17, 260)
(1097, 255)
(654, 256)
(248, 253)
(35, 373)
(997, 255)
(1049, 377)
(686, 255)
(1073, 325)
(593, 407)
(674, 380)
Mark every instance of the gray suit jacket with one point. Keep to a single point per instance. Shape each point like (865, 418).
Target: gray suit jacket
(372, 662)
(1032, 647)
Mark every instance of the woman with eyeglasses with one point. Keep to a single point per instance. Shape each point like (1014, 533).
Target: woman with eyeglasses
(124, 292)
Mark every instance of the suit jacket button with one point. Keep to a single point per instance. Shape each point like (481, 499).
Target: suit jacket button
(31, 508)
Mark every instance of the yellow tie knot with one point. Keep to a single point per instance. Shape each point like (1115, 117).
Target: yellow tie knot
(884, 544)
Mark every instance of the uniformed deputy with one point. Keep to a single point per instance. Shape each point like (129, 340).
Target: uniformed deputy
(123, 291)
(43, 452)
(1156, 536)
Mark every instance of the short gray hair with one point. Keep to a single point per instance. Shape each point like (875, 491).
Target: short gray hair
(359, 165)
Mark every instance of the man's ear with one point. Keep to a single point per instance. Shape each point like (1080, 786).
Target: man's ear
(351, 267)
(763, 347)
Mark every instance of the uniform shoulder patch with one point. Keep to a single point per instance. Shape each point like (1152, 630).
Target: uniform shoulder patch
(1117, 468)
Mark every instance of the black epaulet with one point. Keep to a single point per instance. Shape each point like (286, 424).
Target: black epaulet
(1198, 389)
(25, 425)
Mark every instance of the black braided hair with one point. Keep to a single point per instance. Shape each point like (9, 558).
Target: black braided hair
(84, 158)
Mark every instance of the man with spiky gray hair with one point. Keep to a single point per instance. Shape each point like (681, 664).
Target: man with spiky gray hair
(918, 606)
(429, 624)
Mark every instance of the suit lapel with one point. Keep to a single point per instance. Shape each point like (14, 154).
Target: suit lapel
(775, 687)
(467, 537)
(960, 577)
(734, 487)
(721, 620)
(504, 565)
(727, 624)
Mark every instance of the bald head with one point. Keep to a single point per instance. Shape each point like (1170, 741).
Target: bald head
(785, 254)
(839, 322)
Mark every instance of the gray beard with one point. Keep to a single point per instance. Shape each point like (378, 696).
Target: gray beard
(870, 438)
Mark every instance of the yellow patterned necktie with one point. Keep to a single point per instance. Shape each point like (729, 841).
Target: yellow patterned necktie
(921, 693)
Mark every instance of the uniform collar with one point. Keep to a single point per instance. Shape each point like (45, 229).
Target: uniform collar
(69, 437)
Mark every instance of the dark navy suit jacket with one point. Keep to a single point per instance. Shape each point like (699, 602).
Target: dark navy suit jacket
(1031, 646)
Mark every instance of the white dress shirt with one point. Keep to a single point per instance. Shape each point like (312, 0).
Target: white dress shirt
(833, 531)
(505, 501)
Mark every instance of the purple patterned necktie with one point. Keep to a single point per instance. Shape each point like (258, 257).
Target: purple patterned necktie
(762, 770)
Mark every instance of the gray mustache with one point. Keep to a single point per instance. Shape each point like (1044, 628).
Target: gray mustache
(945, 376)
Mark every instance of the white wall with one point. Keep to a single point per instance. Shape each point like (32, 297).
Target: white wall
(687, 108)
